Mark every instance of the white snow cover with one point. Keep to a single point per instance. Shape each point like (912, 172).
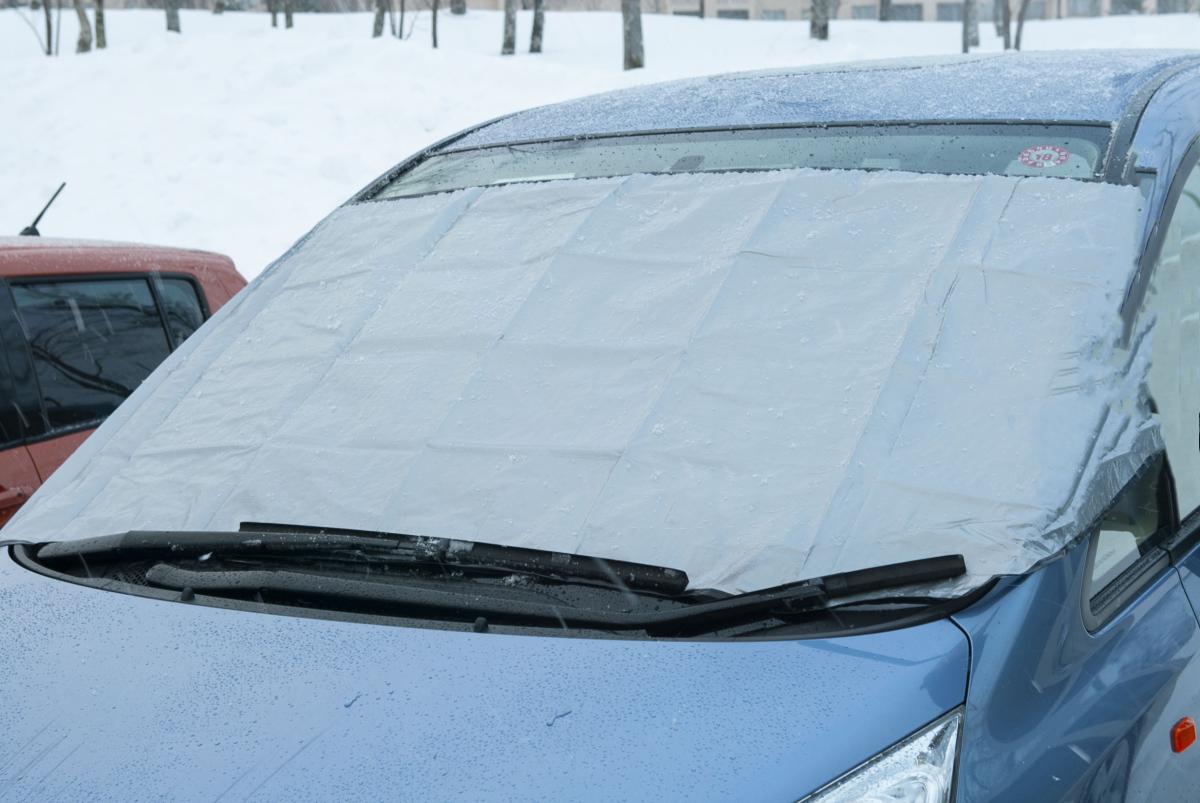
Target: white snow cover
(755, 378)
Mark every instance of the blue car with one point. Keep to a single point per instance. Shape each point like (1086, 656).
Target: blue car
(823, 435)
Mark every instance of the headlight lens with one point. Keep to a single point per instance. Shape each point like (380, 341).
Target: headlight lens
(919, 769)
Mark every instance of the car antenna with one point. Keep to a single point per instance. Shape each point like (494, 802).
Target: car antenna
(31, 229)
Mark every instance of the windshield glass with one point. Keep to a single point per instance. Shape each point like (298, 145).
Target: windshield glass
(1063, 151)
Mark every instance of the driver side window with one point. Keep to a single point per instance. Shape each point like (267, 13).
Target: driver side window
(1173, 301)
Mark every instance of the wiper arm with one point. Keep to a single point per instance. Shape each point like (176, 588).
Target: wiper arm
(467, 604)
(263, 540)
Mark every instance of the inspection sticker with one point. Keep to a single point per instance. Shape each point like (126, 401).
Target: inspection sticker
(1044, 156)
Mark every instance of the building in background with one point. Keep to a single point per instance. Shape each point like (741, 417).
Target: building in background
(902, 10)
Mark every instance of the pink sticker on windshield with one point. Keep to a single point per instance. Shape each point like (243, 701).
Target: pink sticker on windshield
(1042, 156)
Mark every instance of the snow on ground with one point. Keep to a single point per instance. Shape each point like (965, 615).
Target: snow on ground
(238, 138)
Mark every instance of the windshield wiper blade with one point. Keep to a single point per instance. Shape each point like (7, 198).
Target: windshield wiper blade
(467, 603)
(264, 540)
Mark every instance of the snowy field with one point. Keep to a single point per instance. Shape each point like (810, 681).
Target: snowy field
(237, 138)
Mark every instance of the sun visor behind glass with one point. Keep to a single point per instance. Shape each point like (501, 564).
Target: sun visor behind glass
(753, 377)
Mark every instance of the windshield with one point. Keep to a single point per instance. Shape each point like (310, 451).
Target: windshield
(1064, 151)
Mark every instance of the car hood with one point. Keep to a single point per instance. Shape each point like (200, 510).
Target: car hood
(122, 697)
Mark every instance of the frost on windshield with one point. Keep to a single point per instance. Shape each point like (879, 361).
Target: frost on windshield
(751, 377)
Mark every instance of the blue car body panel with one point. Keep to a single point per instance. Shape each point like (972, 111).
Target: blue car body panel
(122, 697)
(1055, 712)
(1052, 86)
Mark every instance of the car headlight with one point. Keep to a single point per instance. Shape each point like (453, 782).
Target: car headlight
(919, 769)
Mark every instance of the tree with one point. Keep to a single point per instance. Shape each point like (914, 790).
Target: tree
(970, 21)
(434, 11)
(84, 43)
(458, 6)
(101, 40)
(287, 13)
(172, 7)
(380, 11)
(49, 28)
(539, 24)
(1021, 23)
(818, 24)
(1006, 23)
(631, 19)
(509, 45)
(273, 7)
(885, 10)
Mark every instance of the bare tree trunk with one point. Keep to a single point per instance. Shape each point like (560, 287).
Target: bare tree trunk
(101, 40)
(458, 6)
(57, 27)
(885, 10)
(377, 28)
(49, 28)
(968, 10)
(287, 13)
(971, 18)
(818, 24)
(84, 43)
(391, 15)
(273, 7)
(539, 24)
(701, 9)
(436, 3)
(509, 45)
(219, 7)
(400, 32)
(1006, 23)
(1021, 23)
(631, 17)
(172, 7)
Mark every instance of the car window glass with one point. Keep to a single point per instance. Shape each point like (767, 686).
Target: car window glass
(1063, 151)
(1173, 303)
(181, 306)
(1129, 529)
(12, 419)
(93, 342)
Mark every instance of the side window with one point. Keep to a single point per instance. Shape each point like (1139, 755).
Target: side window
(1173, 301)
(1132, 526)
(93, 342)
(12, 423)
(181, 306)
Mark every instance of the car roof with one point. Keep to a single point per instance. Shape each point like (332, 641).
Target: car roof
(48, 256)
(1096, 86)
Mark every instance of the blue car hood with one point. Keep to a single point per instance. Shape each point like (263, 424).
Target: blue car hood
(114, 696)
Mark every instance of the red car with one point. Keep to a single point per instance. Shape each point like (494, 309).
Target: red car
(81, 325)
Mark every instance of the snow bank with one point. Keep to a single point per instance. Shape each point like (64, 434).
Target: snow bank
(710, 372)
(238, 138)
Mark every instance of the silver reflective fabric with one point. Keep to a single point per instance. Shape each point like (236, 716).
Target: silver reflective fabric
(753, 377)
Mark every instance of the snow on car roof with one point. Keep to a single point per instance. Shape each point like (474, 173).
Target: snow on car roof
(1093, 86)
(753, 377)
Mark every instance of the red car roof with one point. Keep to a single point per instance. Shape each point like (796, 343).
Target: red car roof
(45, 256)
